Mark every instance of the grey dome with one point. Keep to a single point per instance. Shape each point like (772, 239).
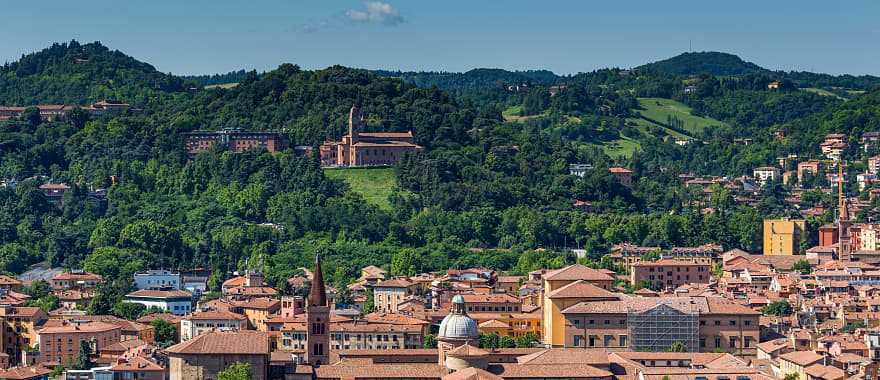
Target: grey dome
(458, 326)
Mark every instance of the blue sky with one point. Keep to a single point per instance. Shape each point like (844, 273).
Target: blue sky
(195, 36)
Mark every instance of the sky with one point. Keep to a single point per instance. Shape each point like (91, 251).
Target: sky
(216, 36)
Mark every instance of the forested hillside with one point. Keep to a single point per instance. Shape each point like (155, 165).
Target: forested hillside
(713, 63)
(74, 73)
(485, 191)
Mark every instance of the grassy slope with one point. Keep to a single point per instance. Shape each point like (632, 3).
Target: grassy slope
(823, 92)
(658, 109)
(374, 184)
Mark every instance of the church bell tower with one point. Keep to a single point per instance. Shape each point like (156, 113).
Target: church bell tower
(318, 317)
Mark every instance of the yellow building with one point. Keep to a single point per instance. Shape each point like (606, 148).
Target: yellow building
(783, 236)
(513, 324)
(564, 288)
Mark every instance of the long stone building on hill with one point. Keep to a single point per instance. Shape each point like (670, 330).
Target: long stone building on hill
(366, 148)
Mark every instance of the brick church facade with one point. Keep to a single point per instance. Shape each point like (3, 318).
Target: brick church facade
(366, 148)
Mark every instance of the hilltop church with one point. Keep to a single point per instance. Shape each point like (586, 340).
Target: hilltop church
(366, 148)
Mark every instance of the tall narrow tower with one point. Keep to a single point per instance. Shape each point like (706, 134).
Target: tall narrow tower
(318, 317)
(354, 124)
(844, 240)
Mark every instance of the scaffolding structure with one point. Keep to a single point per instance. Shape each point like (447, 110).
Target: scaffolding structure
(658, 328)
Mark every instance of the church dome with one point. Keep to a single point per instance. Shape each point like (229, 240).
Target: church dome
(457, 325)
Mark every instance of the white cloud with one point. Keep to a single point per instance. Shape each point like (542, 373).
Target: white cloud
(373, 12)
(376, 12)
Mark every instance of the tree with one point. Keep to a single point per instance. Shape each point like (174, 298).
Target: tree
(677, 346)
(128, 310)
(236, 371)
(84, 357)
(853, 326)
(430, 341)
(46, 303)
(370, 303)
(802, 266)
(527, 340)
(492, 340)
(507, 341)
(651, 256)
(778, 308)
(166, 333)
(32, 116)
(791, 376)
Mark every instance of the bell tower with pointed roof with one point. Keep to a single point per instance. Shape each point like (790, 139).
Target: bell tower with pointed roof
(318, 317)
(844, 240)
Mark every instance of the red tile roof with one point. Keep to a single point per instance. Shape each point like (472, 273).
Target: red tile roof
(582, 289)
(577, 272)
(224, 343)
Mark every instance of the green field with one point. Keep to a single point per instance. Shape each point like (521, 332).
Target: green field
(622, 147)
(374, 184)
(658, 109)
(822, 92)
(513, 114)
(643, 126)
(222, 85)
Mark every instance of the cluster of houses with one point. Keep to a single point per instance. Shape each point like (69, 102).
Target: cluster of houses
(58, 111)
(688, 312)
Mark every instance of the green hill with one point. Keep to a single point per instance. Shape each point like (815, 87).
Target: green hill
(674, 115)
(74, 73)
(714, 63)
(374, 184)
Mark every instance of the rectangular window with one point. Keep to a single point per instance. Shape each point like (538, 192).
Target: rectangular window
(622, 340)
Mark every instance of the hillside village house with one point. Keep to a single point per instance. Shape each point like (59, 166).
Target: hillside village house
(765, 174)
(157, 279)
(60, 340)
(366, 148)
(177, 302)
(236, 140)
(201, 322)
(75, 279)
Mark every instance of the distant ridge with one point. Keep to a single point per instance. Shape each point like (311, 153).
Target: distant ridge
(480, 78)
(713, 63)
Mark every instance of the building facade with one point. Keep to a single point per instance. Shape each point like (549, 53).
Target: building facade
(783, 236)
(366, 148)
(669, 273)
(177, 302)
(211, 320)
(157, 279)
(236, 140)
(60, 340)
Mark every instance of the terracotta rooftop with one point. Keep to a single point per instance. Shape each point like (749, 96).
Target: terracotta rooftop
(493, 298)
(394, 283)
(555, 356)
(20, 373)
(582, 289)
(224, 343)
(801, 358)
(214, 315)
(76, 276)
(471, 373)
(666, 262)
(824, 372)
(467, 351)
(160, 293)
(64, 327)
(9, 281)
(494, 324)
(577, 272)
(136, 364)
